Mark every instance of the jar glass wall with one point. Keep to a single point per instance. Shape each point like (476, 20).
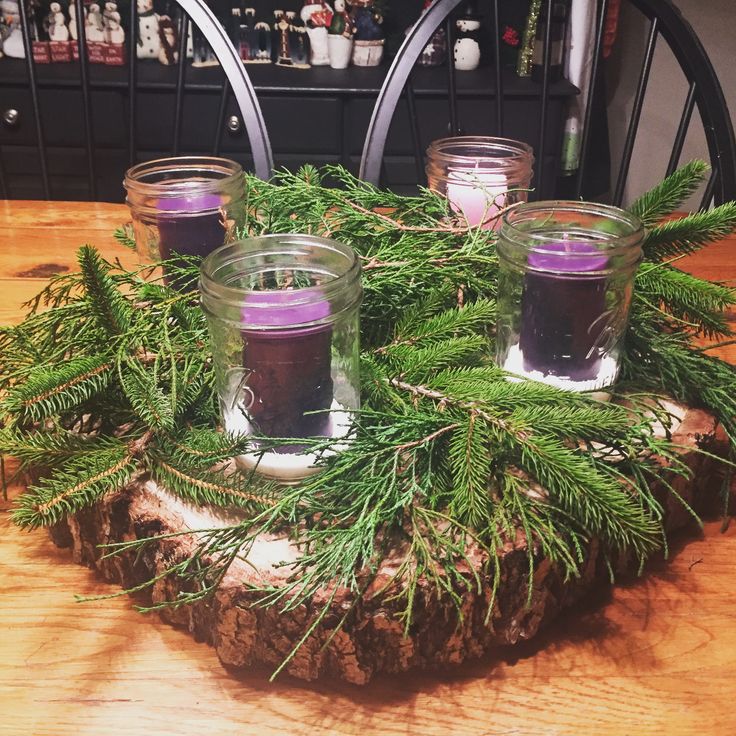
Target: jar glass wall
(566, 277)
(283, 312)
(480, 175)
(184, 205)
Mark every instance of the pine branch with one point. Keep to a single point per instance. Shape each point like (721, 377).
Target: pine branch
(125, 236)
(105, 301)
(666, 197)
(47, 448)
(49, 390)
(689, 234)
(211, 486)
(147, 398)
(74, 486)
(701, 304)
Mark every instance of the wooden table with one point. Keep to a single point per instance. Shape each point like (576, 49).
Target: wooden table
(655, 656)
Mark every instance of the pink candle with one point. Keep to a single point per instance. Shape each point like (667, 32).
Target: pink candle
(478, 195)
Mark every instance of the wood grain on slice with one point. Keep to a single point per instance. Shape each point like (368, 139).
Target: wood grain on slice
(372, 640)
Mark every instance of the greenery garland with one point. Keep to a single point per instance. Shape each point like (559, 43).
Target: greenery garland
(109, 377)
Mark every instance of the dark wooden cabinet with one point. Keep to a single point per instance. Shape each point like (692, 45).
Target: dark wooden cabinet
(317, 116)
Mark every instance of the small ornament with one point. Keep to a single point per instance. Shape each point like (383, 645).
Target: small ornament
(467, 44)
(340, 37)
(435, 52)
(280, 38)
(369, 36)
(262, 44)
(168, 52)
(557, 42)
(317, 18)
(299, 48)
(202, 54)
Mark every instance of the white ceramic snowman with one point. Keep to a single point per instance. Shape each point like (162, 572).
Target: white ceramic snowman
(115, 33)
(149, 41)
(467, 48)
(58, 30)
(93, 28)
(73, 21)
(13, 44)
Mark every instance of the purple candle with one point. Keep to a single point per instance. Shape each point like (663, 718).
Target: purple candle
(563, 310)
(288, 369)
(190, 226)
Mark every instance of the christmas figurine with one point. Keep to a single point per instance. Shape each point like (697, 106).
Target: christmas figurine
(317, 17)
(114, 35)
(261, 43)
(298, 41)
(13, 43)
(93, 26)
(168, 52)
(435, 52)
(38, 28)
(149, 39)
(467, 44)
(369, 36)
(280, 36)
(58, 30)
(58, 34)
(340, 36)
(74, 35)
(114, 31)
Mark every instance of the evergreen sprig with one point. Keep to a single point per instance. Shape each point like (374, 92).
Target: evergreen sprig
(110, 378)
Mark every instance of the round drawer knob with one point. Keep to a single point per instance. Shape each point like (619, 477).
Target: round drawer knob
(11, 117)
(233, 124)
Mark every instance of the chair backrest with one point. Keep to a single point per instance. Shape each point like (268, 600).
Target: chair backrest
(237, 83)
(665, 21)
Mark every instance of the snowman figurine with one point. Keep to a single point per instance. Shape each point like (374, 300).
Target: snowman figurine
(58, 30)
(467, 45)
(149, 39)
(114, 31)
(13, 42)
(93, 27)
(73, 20)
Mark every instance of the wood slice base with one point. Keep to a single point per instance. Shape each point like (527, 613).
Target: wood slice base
(372, 639)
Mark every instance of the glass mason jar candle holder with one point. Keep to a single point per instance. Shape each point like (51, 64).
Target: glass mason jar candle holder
(282, 312)
(184, 205)
(480, 176)
(566, 277)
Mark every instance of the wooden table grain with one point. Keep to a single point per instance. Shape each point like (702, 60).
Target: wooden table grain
(657, 655)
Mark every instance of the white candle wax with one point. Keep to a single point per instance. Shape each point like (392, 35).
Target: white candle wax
(478, 195)
(287, 467)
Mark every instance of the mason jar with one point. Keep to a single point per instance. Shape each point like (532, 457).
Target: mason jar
(480, 175)
(282, 312)
(566, 278)
(184, 206)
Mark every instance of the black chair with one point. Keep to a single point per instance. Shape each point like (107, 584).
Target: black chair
(237, 84)
(666, 22)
